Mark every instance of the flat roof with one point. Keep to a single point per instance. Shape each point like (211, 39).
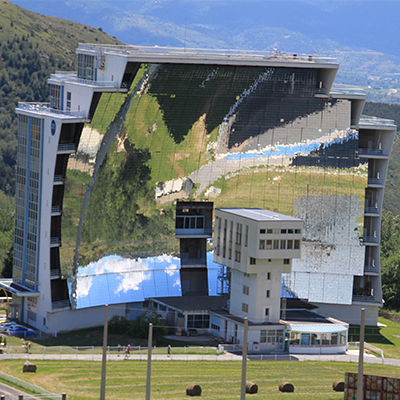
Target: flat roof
(180, 55)
(193, 303)
(259, 214)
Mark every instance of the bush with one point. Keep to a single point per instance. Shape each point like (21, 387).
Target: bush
(118, 325)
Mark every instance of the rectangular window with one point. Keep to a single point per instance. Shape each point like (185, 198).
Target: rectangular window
(283, 231)
(55, 97)
(262, 244)
(238, 233)
(263, 336)
(290, 231)
(245, 290)
(268, 293)
(271, 336)
(267, 312)
(286, 261)
(262, 231)
(290, 244)
(270, 231)
(269, 276)
(246, 236)
(283, 244)
(269, 245)
(297, 244)
(245, 307)
(252, 261)
(276, 244)
(297, 231)
(69, 101)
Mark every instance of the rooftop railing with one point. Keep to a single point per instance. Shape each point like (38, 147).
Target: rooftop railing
(367, 120)
(347, 90)
(44, 108)
(200, 53)
(73, 77)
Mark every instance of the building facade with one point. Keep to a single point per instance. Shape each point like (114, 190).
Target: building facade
(240, 128)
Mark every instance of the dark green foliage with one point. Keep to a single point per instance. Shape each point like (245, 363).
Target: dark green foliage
(8, 264)
(390, 260)
(138, 328)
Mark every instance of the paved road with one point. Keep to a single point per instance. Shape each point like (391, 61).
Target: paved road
(11, 393)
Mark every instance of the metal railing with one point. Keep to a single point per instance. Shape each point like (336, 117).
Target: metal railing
(375, 181)
(56, 305)
(44, 108)
(370, 239)
(371, 152)
(54, 272)
(370, 268)
(367, 120)
(66, 147)
(73, 78)
(55, 240)
(58, 178)
(39, 392)
(364, 298)
(200, 53)
(55, 209)
(347, 90)
(371, 210)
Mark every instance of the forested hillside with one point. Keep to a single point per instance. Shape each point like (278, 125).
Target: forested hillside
(32, 47)
(390, 111)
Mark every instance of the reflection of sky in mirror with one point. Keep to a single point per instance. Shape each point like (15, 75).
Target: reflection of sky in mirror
(114, 280)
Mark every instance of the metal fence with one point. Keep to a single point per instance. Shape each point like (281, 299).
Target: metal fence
(37, 390)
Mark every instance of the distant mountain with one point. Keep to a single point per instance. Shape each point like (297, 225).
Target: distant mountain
(361, 34)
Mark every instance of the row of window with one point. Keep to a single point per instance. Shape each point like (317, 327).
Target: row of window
(280, 231)
(189, 222)
(271, 336)
(279, 244)
(317, 339)
(198, 321)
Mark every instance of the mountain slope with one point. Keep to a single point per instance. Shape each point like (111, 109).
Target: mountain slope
(32, 47)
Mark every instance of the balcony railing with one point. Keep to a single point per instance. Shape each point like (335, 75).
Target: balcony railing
(185, 260)
(370, 152)
(56, 305)
(69, 147)
(58, 179)
(363, 298)
(347, 90)
(44, 108)
(370, 239)
(55, 209)
(55, 241)
(54, 272)
(72, 77)
(370, 268)
(367, 120)
(375, 181)
(371, 210)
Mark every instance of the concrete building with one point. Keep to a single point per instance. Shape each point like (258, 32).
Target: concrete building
(305, 148)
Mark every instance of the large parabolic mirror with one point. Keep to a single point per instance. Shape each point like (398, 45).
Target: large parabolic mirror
(238, 136)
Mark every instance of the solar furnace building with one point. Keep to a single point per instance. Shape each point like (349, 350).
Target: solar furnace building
(95, 218)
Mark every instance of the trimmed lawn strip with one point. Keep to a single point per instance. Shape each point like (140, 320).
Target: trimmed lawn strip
(219, 380)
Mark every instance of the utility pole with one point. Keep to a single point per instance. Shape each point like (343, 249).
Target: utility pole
(360, 379)
(244, 361)
(104, 359)
(148, 378)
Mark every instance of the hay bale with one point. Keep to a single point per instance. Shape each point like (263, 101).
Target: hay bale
(193, 390)
(251, 387)
(338, 385)
(286, 387)
(29, 367)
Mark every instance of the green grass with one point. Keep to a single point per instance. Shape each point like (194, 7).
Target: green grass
(218, 380)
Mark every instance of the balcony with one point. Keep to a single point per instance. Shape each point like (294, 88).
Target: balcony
(72, 77)
(58, 305)
(54, 273)
(367, 120)
(55, 210)
(363, 298)
(66, 148)
(371, 210)
(372, 153)
(370, 240)
(55, 242)
(375, 182)
(45, 109)
(186, 260)
(58, 180)
(371, 270)
(192, 226)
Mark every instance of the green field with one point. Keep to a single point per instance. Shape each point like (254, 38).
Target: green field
(218, 380)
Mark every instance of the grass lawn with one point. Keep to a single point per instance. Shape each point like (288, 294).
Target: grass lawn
(218, 380)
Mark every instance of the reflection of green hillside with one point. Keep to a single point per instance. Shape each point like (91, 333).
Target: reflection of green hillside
(276, 188)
